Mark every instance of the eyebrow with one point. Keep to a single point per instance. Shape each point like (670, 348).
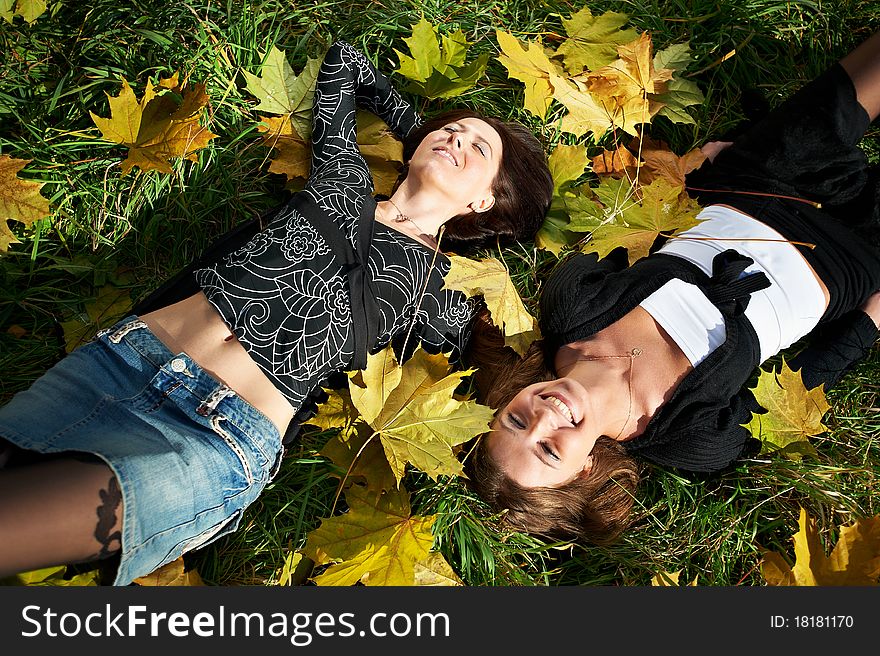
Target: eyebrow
(538, 452)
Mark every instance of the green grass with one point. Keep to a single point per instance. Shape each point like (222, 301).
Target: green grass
(136, 230)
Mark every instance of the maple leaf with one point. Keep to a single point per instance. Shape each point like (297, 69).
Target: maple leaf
(20, 200)
(157, 128)
(281, 91)
(490, 279)
(592, 40)
(532, 67)
(377, 542)
(362, 458)
(669, 579)
(661, 162)
(676, 94)
(436, 571)
(381, 149)
(567, 164)
(625, 87)
(793, 412)
(288, 573)
(294, 156)
(437, 70)
(171, 574)
(29, 10)
(53, 576)
(413, 410)
(855, 559)
(111, 304)
(617, 163)
(631, 222)
(586, 114)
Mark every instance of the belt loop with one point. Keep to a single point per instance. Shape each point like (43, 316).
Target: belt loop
(123, 330)
(209, 405)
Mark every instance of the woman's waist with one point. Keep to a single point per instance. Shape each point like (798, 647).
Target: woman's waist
(193, 326)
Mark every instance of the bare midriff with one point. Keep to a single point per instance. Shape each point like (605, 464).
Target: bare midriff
(194, 326)
(822, 286)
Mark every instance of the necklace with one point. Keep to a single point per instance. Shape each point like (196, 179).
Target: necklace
(403, 218)
(632, 355)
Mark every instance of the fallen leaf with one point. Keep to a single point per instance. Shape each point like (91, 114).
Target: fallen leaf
(567, 164)
(413, 411)
(110, 305)
(53, 576)
(157, 128)
(855, 559)
(170, 574)
(793, 412)
(490, 279)
(435, 571)
(362, 458)
(531, 66)
(632, 222)
(20, 200)
(381, 149)
(669, 579)
(659, 162)
(592, 40)
(617, 163)
(437, 70)
(287, 575)
(293, 157)
(677, 94)
(281, 91)
(29, 10)
(377, 542)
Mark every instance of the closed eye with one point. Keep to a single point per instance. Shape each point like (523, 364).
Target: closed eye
(546, 448)
(480, 149)
(513, 419)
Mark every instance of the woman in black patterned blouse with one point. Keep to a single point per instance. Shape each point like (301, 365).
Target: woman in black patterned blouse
(169, 424)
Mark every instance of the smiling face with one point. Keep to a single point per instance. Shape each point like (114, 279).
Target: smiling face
(544, 436)
(461, 159)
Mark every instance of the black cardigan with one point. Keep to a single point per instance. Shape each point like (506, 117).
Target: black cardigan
(699, 429)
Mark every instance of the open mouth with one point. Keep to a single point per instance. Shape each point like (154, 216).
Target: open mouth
(445, 153)
(562, 406)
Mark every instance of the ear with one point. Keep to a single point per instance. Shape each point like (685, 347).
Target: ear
(588, 466)
(483, 205)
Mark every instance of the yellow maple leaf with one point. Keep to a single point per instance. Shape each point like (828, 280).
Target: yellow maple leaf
(294, 156)
(381, 149)
(435, 571)
(171, 574)
(660, 162)
(617, 163)
(586, 114)
(490, 279)
(669, 579)
(55, 576)
(377, 542)
(20, 200)
(592, 40)
(855, 559)
(110, 304)
(156, 129)
(531, 66)
(29, 10)
(632, 222)
(793, 412)
(362, 458)
(413, 411)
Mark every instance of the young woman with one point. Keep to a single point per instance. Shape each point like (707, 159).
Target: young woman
(652, 360)
(166, 426)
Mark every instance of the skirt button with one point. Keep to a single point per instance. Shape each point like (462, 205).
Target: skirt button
(178, 365)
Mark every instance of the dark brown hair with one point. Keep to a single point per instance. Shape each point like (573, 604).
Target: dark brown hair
(523, 187)
(594, 507)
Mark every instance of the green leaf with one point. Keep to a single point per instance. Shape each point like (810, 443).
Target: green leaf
(592, 41)
(438, 70)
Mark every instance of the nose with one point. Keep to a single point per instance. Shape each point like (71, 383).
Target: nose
(455, 139)
(544, 419)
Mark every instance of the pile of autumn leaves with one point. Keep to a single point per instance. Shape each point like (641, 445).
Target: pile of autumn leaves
(603, 84)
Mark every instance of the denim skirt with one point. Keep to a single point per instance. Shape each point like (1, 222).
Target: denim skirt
(190, 455)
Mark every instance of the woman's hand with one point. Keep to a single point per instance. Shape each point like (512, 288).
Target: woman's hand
(871, 307)
(711, 148)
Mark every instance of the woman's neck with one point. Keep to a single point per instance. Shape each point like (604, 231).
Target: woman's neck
(632, 367)
(423, 207)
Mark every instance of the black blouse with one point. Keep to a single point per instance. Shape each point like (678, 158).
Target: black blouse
(286, 294)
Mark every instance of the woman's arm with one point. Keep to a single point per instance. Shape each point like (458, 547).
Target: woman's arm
(863, 67)
(347, 81)
(836, 346)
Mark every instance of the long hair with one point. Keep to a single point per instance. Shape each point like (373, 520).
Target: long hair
(594, 507)
(523, 187)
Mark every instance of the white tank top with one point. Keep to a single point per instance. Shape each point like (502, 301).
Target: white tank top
(781, 314)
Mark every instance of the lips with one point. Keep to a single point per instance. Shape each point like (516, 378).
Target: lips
(443, 152)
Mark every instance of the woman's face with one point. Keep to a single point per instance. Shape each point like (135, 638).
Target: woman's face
(461, 159)
(544, 436)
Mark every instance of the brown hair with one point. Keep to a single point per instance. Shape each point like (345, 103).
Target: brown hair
(523, 187)
(593, 508)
